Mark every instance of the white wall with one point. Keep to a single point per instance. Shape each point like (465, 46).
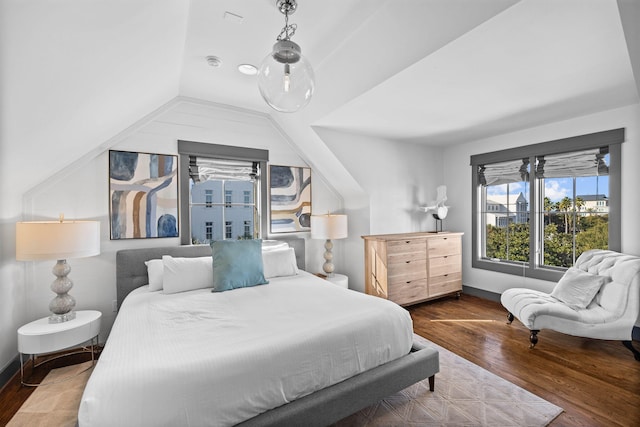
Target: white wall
(457, 176)
(81, 192)
(397, 177)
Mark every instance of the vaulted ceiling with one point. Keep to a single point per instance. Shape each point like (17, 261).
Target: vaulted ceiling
(76, 72)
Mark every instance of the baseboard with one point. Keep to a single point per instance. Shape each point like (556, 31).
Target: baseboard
(492, 296)
(9, 371)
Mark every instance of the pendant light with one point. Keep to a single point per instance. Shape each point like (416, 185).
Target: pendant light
(285, 77)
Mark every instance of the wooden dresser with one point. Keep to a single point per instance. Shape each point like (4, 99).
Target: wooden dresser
(413, 267)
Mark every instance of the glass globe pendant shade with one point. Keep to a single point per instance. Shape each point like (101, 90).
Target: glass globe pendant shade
(285, 78)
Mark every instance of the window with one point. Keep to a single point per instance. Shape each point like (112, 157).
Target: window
(209, 176)
(208, 230)
(208, 198)
(538, 207)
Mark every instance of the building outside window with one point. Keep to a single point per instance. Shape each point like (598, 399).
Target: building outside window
(208, 230)
(537, 208)
(213, 218)
(228, 196)
(208, 196)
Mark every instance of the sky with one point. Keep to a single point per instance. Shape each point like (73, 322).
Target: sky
(557, 188)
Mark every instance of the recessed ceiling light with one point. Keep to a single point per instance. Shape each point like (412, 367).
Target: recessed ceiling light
(248, 69)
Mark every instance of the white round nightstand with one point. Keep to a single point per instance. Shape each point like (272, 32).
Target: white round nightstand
(40, 336)
(340, 280)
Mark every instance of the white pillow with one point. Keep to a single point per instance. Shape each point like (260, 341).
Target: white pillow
(279, 263)
(577, 288)
(274, 245)
(155, 271)
(186, 274)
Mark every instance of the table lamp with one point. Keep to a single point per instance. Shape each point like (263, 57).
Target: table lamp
(328, 227)
(59, 240)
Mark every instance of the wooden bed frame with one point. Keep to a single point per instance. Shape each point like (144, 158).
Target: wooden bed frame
(322, 407)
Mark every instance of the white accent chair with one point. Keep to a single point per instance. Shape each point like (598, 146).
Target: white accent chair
(610, 315)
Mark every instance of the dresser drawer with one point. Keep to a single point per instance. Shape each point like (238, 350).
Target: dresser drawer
(445, 284)
(445, 265)
(406, 257)
(407, 245)
(408, 292)
(439, 246)
(402, 272)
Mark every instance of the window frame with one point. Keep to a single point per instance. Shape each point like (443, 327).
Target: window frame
(612, 138)
(218, 151)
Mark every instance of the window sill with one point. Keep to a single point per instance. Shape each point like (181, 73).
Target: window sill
(548, 274)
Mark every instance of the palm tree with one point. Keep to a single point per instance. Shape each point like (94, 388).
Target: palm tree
(564, 205)
(578, 205)
(548, 206)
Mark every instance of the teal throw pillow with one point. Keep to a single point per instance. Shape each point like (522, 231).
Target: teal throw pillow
(237, 264)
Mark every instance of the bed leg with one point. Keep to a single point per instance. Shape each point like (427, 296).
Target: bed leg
(432, 382)
(510, 318)
(630, 346)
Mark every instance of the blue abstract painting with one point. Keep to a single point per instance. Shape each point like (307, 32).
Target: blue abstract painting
(290, 196)
(143, 195)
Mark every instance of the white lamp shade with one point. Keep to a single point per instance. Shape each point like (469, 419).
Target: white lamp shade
(328, 226)
(44, 240)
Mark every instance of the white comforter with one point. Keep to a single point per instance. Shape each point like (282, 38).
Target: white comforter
(214, 359)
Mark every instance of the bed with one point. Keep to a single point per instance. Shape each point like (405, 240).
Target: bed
(296, 351)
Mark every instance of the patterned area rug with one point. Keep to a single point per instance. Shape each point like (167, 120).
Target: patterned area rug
(465, 395)
(55, 404)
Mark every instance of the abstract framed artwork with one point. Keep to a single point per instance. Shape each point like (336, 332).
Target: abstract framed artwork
(143, 195)
(290, 196)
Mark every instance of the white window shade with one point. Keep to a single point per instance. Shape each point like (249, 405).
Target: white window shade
(206, 169)
(504, 172)
(581, 163)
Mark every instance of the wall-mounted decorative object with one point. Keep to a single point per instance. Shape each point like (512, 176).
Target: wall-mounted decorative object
(143, 195)
(290, 192)
(437, 207)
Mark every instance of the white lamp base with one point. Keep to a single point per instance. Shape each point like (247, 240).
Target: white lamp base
(328, 258)
(62, 305)
(60, 318)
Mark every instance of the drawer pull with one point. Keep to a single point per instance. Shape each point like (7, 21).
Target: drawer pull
(408, 241)
(407, 262)
(446, 275)
(409, 281)
(446, 256)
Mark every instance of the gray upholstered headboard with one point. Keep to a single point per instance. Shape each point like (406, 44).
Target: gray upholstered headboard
(131, 271)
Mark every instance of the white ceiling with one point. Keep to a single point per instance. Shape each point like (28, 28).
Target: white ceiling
(438, 71)
(75, 73)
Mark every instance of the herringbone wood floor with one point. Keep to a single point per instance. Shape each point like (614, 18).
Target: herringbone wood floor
(596, 382)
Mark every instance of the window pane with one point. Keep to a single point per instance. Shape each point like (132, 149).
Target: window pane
(223, 208)
(575, 209)
(505, 210)
(237, 212)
